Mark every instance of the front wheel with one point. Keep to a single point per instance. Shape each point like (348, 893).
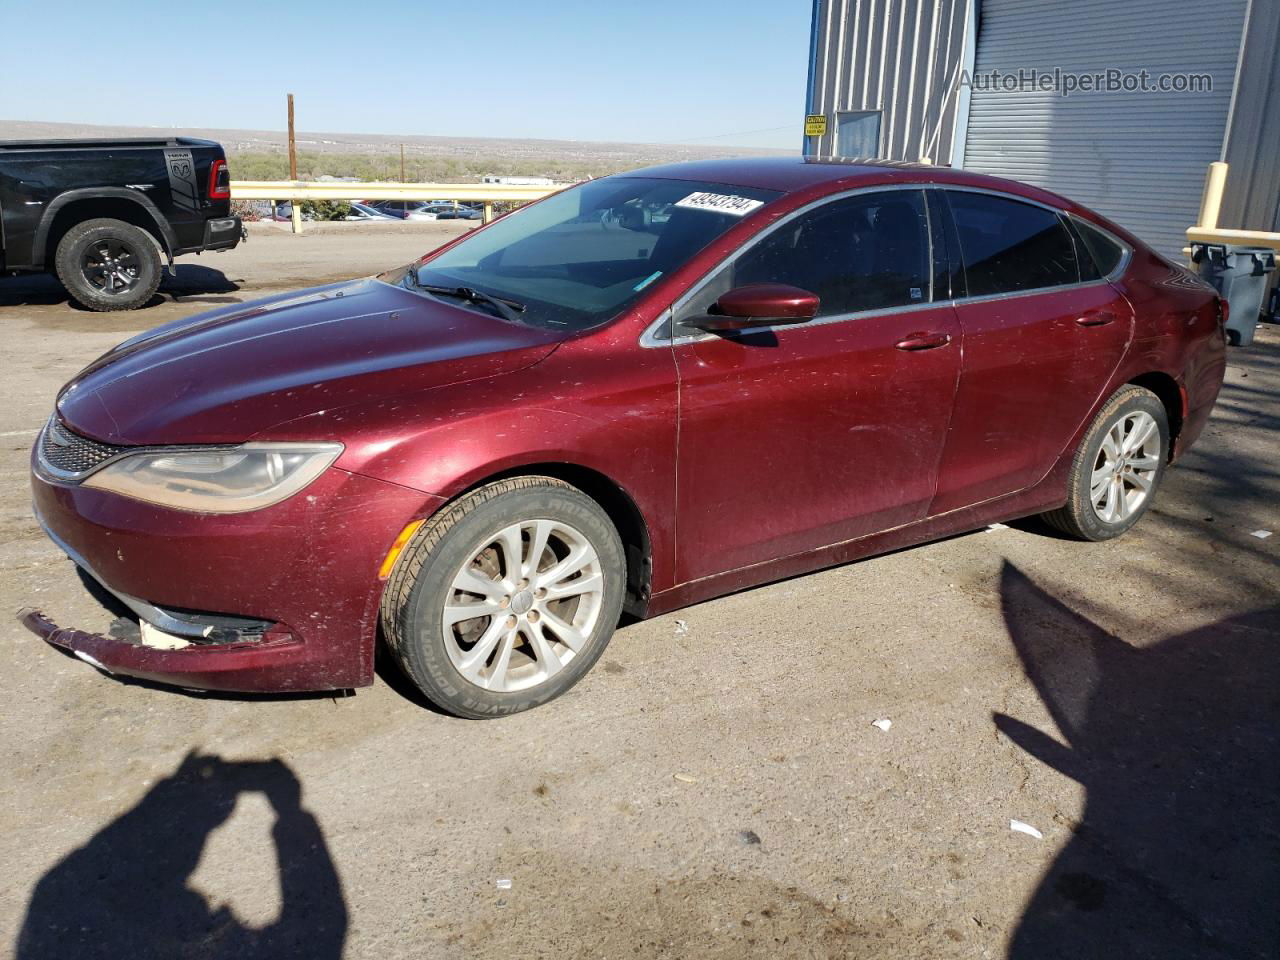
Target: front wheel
(1118, 467)
(505, 599)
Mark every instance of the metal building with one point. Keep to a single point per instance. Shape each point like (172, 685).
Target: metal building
(912, 79)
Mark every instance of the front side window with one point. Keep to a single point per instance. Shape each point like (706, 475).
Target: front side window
(580, 257)
(1008, 246)
(861, 253)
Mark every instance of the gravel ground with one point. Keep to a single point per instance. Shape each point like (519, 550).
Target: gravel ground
(716, 787)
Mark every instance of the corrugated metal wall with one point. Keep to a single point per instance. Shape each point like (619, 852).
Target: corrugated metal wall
(898, 56)
(1252, 199)
(1139, 158)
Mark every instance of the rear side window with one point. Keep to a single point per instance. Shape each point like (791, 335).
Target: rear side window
(867, 252)
(1104, 251)
(1008, 246)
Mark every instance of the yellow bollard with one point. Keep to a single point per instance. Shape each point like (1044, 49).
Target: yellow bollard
(1215, 182)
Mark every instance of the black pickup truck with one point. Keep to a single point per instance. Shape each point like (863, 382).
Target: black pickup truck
(101, 213)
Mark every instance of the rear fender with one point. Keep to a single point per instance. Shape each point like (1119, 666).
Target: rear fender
(162, 227)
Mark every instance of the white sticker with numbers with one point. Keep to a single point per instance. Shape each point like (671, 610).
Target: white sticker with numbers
(720, 203)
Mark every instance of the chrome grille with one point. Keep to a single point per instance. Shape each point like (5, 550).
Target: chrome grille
(70, 455)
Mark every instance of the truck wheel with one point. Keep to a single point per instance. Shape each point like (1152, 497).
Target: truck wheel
(1117, 468)
(108, 265)
(505, 598)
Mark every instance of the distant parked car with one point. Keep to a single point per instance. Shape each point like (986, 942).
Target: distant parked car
(488, 454)
(362, 211)
(460, 212)
(283, 213)
(425, 210)
(403, 209)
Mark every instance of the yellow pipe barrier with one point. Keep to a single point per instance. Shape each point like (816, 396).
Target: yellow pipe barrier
(338, 190)
(488, 193)
(1215, 182)
(1207, 229)
(1251, 238)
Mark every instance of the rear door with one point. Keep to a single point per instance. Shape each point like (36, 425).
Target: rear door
(795, 437)
(1041, 341)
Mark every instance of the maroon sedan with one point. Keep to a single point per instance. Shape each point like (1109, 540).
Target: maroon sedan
(639, 393)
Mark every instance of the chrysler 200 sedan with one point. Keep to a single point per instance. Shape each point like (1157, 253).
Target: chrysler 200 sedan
(639, 393)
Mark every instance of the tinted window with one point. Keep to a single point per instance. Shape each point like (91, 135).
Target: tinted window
(1104, 251)
(863, 253)
(1008, 246)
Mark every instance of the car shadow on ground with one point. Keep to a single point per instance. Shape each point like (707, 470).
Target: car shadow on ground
(194, 283)
(1177, 854)
(125, 893)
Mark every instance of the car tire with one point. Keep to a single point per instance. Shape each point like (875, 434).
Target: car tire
(1118, 467)
(532, 637)
(108, 265)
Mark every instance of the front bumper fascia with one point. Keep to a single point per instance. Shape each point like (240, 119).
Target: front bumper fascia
(307, 567)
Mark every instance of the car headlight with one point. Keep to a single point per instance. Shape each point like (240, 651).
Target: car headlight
(232, 480)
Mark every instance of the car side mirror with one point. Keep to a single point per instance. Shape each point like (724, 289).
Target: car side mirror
(758, 305)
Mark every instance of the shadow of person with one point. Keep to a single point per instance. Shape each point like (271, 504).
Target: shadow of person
(125, 893)
(1178, 747)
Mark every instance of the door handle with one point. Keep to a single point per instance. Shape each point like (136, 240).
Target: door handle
(1095, 318)
(923, 341)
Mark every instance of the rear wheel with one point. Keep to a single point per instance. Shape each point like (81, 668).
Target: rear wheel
(507, 598)
(108, 265)
(1117, 468)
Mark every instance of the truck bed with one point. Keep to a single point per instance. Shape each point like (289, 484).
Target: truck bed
(106, 143)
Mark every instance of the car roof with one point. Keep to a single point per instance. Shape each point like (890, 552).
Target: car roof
(795, 174)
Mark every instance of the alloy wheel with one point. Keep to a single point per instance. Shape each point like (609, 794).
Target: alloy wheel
(523, 605)
(1125, 469)
(110, 266)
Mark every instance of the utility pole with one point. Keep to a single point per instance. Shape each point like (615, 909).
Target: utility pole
(294, 205)
(402, 180)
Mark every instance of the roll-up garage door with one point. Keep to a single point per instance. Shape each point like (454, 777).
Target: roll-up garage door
(1136, 157)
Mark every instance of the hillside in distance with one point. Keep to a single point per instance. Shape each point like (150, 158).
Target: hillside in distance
(263, 154)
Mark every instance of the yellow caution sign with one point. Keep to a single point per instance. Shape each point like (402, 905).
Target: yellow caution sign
(815, 125)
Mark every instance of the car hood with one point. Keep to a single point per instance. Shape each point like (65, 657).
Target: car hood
(223, 376)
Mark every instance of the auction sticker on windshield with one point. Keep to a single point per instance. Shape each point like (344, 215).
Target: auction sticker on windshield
(720, 203)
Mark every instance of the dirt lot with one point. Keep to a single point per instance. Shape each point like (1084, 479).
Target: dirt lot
(716, 788)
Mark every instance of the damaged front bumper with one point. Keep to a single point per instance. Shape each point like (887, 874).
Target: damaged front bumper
(297, 581)
(240, 665)
(202, 650)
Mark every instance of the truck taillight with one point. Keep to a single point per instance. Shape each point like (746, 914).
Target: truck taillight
(219, 181)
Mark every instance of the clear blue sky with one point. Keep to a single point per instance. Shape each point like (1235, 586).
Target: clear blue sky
(641, 70)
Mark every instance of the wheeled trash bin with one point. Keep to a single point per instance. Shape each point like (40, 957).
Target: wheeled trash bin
(1240, 274)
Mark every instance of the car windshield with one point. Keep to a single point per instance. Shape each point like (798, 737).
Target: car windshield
(580, 257)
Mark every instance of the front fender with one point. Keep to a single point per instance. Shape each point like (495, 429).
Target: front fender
(612, 414)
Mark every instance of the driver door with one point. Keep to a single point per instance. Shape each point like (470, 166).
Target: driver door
(796, 437)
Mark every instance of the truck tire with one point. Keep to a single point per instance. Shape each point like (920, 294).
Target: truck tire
(108, 265)
(504, 599)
